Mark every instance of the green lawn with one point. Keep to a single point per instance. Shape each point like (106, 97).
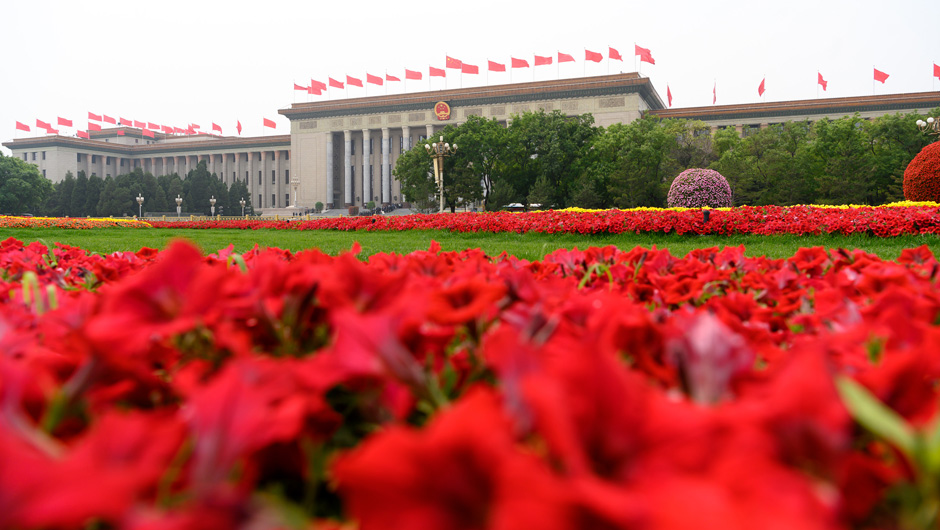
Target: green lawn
(528, 246)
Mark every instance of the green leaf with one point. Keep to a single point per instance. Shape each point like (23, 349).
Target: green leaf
(872, 414)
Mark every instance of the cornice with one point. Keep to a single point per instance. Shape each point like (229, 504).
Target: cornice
(203, 146)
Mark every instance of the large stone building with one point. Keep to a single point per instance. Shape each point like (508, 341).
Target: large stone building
(341, 152)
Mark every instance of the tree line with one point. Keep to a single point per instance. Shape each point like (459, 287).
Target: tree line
(558, 161)
(81, 196)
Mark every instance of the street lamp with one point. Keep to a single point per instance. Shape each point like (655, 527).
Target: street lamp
(242, 202)
(179, 205)
(438, 150)
(140, 206)
(931, 126)
(212, 204)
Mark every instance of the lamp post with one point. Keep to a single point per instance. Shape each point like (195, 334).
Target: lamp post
(140, 206)
(438, 150)
(179, 205)
(931, 126)
(212, 204)
(242, 202)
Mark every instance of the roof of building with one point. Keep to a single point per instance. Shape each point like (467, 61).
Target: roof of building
(818, 107)
(176, 145)
(484, 95)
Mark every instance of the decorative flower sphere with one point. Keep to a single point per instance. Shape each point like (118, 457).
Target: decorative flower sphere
(699, 188)
(922, 176)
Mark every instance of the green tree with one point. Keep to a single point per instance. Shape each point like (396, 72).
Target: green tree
(634, 159)
(414, 171)
(23, 189)
(481, 151)
(894, 141)
(239, 191)
(541, 194)
(196, 189)
(501, 195)
(842, 147)
(93, 195)
(79, 197)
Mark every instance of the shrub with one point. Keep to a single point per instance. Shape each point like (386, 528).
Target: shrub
(699, 188)
(318, 207)
(922, 176)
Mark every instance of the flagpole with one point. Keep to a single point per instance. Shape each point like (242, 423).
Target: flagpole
(873, 80)
(635, 69)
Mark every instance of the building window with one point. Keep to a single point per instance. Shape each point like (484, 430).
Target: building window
(259, 201)
(371, 140)
(43, 173)
(94, 159)
(43, 155)
(246, 177)
(273, 176)
(273, 201)
(259, 156)
(286, 176)
(34, 156)
(286, 199)
(259, 177)
(136, 140)
(26, 157)
(401, 144)
(233, 176)
(107, 161)
(352, 148)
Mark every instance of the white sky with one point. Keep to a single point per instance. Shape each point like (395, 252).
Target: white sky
(175, 62)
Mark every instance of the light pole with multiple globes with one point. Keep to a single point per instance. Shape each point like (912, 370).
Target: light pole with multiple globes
(179, 205)
(140, 206)
(438, 150)
(212, 204)
(931, 126)
(242, 202)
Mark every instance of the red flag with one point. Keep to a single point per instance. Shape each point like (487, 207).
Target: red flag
(43, 125)
(82, 134)
(411, 74)
(298, 87)
(108, 119)
(317, 84)
(238, 127)
(519, 63)
(140, 124)
(153, 126)
(821, 81)
(936, 70)
(92, 116)
(391, 78)
(336, 84)
(452, 63)
(195, 126)
(22, 127)
(469, 69)
(374, 79)
(880, 76)
(436, 72)
(644, 53)
(565, 58)
(613, 54)
(126, 123)
(314, 90)
(94, 127)
(216, 127)
(669, 95)
(715, 93)
(63, 121)
(120, 132)
(496, 67)
(592, 56)
(539, 60)
(52, 131)
(166, 128)
(147, 132)
(188, 130)
(760, 88)
(269, 123)
(352, 81)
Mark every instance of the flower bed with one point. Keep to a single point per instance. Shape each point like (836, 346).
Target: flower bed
(763, 220)
(593, 389)
(12, 221)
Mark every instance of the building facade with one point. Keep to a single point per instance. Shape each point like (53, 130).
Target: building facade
(342, 152)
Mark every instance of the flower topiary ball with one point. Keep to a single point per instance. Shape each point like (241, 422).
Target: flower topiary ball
(699, 188)
(922, 176)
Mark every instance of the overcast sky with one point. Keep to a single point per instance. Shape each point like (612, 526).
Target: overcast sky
(175, 62)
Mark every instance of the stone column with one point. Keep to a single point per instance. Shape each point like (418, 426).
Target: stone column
(366, 166)
(347, 138)
(264, 181)
(153, 166)
(329, 170)
(386, 177)
(277, 177)
(430, 130)
(406, 138)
